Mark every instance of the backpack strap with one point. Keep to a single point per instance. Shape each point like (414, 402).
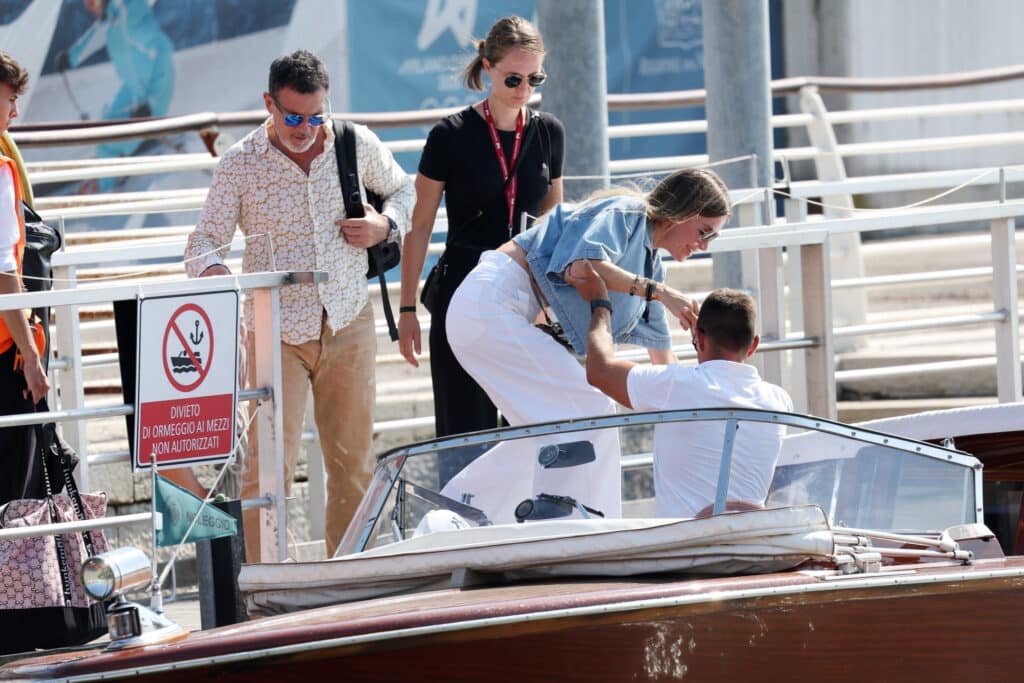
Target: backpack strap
(348, 172)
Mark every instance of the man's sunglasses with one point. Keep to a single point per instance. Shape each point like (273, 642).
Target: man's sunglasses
(535, 80)
(293, 120)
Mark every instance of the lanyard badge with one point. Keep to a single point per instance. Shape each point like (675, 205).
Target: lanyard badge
(510, 183)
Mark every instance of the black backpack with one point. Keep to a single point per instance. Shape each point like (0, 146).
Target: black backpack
(381, 257)
(41, 241)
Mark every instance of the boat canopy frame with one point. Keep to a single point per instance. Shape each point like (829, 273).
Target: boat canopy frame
(395, 459)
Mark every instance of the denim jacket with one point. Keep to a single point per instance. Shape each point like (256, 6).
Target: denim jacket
(612, 229)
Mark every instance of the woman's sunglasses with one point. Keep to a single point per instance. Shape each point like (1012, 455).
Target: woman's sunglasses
(706, 236)
(535, 80)
(294, 120)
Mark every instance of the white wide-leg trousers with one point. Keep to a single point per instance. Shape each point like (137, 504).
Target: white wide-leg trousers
(531, 378)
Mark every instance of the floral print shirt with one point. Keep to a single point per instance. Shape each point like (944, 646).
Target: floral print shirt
(288, 219)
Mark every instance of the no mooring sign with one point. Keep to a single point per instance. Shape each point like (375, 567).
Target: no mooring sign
(186, 385)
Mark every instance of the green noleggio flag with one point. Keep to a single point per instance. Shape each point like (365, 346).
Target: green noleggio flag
(179, 507)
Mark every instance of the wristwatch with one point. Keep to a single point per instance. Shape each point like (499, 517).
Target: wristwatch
(600, 303)
(393, 232)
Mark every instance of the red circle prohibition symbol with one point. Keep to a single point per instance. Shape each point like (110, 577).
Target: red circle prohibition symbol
(172, 326)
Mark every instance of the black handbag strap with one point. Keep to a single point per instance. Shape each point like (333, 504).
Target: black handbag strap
(44, 444)
(58, 540)
(348, 172)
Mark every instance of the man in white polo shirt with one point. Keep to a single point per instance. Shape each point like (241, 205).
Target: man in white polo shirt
(687, 455)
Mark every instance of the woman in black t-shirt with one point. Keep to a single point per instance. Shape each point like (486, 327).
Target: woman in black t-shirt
(494, 162)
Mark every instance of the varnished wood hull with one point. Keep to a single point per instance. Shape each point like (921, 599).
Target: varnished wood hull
(931, 622)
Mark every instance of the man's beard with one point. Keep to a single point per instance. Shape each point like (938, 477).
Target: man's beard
(294, 148)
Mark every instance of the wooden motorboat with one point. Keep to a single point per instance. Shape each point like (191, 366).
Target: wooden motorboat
(870, 559)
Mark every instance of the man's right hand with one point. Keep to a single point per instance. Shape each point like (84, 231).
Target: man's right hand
(215, 269)
(587, 281)
(409, 337)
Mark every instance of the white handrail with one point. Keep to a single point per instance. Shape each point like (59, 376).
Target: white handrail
(55, 172)
(761, 237)
(810, 235)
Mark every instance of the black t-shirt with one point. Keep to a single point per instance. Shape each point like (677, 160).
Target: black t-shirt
(459, 153)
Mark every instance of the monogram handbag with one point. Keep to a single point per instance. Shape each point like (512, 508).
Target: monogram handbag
(42, 602)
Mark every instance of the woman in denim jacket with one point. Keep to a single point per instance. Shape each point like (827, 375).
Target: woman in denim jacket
(526, 372)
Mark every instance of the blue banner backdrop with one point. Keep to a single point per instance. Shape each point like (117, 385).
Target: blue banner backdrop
(417, 62)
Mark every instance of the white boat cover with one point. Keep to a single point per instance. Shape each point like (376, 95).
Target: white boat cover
(814, 446)
(939, 424)
(751, 542)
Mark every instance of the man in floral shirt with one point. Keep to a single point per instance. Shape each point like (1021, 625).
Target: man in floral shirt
(280, 186)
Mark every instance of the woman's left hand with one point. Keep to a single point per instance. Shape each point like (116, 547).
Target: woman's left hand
(682, 307)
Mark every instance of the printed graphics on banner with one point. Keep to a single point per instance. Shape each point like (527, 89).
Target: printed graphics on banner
(186, 379)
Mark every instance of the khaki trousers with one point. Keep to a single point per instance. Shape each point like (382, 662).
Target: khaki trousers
(340, 369)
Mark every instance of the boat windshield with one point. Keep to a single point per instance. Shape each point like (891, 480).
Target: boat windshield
(608, 467)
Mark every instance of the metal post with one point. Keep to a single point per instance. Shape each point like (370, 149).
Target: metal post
(771, 288)
(218, 562)
(156, 596)
(72, 387)
(1004, 297)
(737, 73)
(749, 215)
(269, 457)
(725, 468)
(771, 311)
(849, 307)
(575, 63)
(795, 380)
(817, 305)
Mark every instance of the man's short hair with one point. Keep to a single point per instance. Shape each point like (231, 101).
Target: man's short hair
(302, 71)
(12, 73)
(728, 318)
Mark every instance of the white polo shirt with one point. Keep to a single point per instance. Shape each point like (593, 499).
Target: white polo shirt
(687, 455)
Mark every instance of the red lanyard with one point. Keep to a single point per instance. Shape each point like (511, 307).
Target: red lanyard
(510, 185)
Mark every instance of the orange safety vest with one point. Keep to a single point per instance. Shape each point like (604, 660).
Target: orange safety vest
(19, 253)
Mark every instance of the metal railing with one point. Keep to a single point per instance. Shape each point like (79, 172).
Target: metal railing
(78, 260)
(75, 263)
(786, 266)
(267, 371)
